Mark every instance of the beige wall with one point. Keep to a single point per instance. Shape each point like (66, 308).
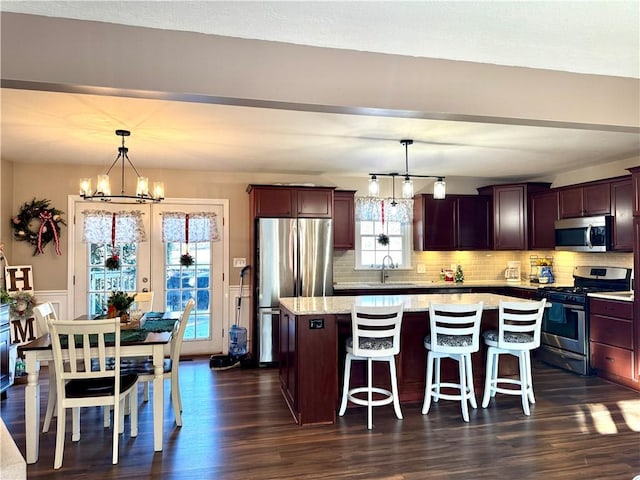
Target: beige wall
(6, 206)
(20, 183)
(92, 54)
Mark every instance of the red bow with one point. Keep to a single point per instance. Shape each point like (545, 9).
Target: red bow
(47, 218)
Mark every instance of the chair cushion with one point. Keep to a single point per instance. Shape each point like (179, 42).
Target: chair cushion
(98, 387)
(450, 340)
(367, 343)
(491, 337)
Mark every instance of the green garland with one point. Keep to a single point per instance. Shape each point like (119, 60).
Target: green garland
(21, 306)
(48, 229)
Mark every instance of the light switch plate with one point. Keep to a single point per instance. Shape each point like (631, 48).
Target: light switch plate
(422, 268)
(239, 262)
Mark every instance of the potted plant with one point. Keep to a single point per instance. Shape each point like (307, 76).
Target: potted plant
(4, 296)
(118, 304)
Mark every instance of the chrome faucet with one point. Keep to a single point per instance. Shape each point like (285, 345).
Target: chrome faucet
(383, 275)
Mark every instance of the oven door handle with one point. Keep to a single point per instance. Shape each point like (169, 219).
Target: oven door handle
(587, 236)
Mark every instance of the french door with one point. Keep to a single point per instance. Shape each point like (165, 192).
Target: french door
(154, 265)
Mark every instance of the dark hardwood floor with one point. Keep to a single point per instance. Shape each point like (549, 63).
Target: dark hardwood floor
(236, 426)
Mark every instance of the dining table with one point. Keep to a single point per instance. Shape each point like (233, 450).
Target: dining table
(147, 341)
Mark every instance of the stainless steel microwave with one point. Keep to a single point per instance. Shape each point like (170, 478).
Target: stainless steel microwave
(585, 234)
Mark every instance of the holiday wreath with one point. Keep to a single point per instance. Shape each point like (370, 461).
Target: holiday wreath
(48, 230)
(21, 306)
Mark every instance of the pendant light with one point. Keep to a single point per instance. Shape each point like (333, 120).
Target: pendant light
(439, 186)
(103, 186)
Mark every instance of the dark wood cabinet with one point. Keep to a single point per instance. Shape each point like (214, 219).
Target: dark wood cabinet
(272, 201)
(308, 353)
(611, 339)
(473, 222)
(433, 223)
(5, 344)
(344, 220)
(459, 222)
(291, 202)
(543, 214)
(622, 210)
(510, 213)
(314, 203)
(585, 201)
(635, 181)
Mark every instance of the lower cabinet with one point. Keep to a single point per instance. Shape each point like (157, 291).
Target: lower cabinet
(307, 363)
(5, 344)
(611, 339)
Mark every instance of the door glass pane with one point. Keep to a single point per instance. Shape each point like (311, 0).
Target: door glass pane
(102, 281)
(185, 282)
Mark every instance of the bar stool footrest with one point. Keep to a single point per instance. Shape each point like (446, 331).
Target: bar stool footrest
(507, 391)
(364, 390)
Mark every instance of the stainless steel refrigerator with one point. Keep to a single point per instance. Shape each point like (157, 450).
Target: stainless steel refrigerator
(294, 259)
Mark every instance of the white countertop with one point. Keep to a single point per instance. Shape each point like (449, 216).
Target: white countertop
(431, 284)
(412, 303)
(626, 296)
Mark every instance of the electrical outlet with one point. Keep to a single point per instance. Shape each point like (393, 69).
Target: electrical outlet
(316, 323)
(422, 268)
(239, 262)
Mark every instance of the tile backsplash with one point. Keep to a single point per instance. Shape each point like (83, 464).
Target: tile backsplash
(477, 265)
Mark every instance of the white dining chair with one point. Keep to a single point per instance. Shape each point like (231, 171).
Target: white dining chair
(85, 377)
(143, 301)
(144, 369)
(43, 313)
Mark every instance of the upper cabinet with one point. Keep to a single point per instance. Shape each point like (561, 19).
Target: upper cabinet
(291, 202)
(635, 180)
(510, 213)
(343, 220)
(473, 222)
(622, 210)
(543, 214)
(458, 222)
(585, 201)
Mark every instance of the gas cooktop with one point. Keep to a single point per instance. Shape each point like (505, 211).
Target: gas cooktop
(593, 279)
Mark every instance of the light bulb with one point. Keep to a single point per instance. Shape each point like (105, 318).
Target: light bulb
(407, 187)
(103, 187)
(85, 187)
(439, 189)
(142, 187)
(158, 190)
(374, 187)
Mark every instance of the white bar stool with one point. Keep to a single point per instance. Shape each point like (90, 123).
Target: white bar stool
(376, 338)
(454, 333)
(518, 333)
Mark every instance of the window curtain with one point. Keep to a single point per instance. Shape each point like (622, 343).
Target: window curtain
(381, 210)
(190, 227)
(101, 226)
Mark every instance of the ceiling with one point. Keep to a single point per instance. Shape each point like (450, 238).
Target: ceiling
(592, 38)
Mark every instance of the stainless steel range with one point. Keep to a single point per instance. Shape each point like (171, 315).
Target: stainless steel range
(565, 325)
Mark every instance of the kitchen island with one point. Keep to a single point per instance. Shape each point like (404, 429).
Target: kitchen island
(313, 332)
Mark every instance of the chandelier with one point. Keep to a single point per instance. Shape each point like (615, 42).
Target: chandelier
(103, 187)
(439, 186)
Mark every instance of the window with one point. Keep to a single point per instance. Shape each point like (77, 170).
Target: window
(373, 218)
